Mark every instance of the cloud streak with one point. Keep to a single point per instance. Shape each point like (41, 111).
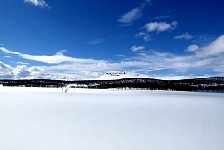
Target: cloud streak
(185, 36)
(133, 15)
(58, 58)
(214, 48)
(37, 3)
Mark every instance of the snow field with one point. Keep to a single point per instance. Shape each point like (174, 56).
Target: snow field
(31, 119)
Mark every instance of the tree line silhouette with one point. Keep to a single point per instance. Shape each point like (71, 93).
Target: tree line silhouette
(214, 84)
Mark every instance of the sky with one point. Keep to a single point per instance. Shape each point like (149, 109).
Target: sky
(76, 39)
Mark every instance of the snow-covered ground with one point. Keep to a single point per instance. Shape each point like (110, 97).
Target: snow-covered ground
(48, 119)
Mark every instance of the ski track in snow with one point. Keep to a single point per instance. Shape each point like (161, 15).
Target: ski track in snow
(48, 119)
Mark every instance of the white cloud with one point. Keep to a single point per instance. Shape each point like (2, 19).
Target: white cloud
(160, 26)
(22, 63)
(145, 36)
(141, 62)
(7, 56)
(155, 27)
(6, 71)
(215, 48)
(58, 58)
(133, 15)
(21, 72)
(135, 48)
(185, 36)
(144, 62)
(192, 48)
(37, 3)
(162, 17)
(8, 51)
(163, 61)
(34, 72)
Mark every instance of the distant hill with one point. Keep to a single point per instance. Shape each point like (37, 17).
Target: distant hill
(114, 75)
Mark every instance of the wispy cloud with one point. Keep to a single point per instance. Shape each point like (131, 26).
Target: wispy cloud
(58, 58)
(130, 16)
(156, 27)
(185, 36)
(145, 36)
(192, 48)
(160, 26)
(37, 3)
(96, 41)
(7, 56)
(135, 48)
(210, 57)
(133, 15)
(22, 63)
(214, 48)
(162, 17)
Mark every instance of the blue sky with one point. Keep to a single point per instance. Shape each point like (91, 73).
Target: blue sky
(83, 39)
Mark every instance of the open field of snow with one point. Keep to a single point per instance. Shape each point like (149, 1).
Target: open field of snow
(48, 119)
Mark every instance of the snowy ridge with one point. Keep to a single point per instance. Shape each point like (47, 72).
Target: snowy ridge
(114, 75)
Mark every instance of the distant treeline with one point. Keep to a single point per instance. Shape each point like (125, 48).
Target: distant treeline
(214, 84)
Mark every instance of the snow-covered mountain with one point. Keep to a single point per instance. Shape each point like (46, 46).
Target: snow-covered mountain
(113, 75)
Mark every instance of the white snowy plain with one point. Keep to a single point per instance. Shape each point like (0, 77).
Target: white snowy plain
(48, 119)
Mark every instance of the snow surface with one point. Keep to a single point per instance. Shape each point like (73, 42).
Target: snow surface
(48, 119)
